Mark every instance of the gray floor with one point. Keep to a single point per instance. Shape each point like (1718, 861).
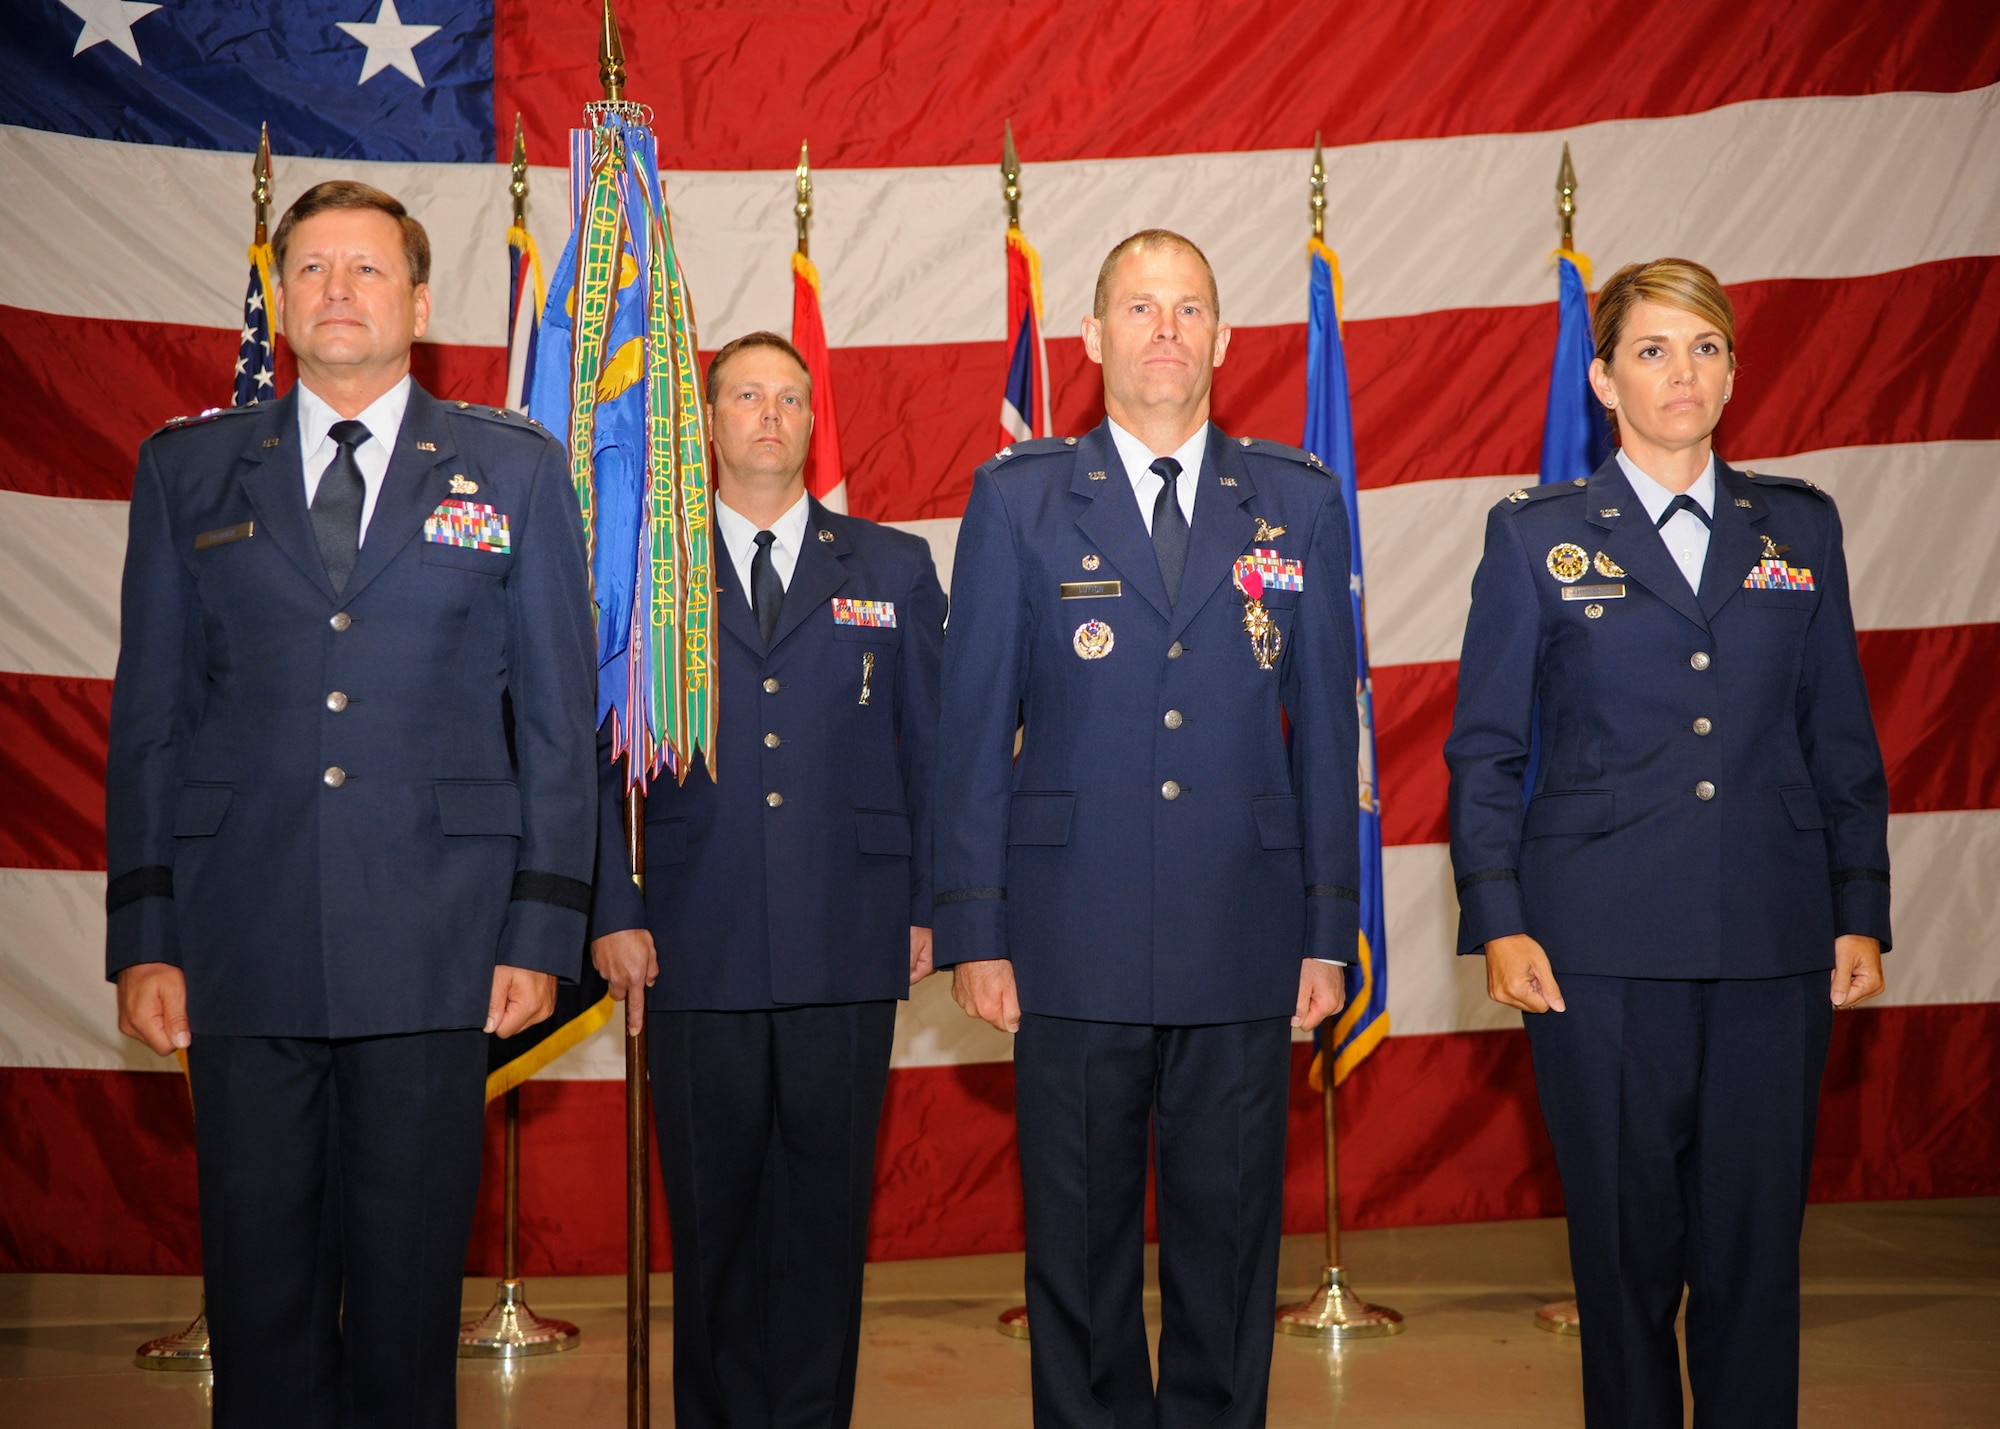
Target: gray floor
(1902, 1328)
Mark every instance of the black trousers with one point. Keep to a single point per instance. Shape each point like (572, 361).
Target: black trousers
(337, 1186)
(767, 1126)
(1682, 1115)
(1213, 1099)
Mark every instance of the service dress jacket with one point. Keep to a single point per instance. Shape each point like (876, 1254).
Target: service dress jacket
(794, 876)
(1163, 851)
(336, 813)
(1708, 797)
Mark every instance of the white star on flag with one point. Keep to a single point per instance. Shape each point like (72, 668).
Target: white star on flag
(109, 22)
(391, 44)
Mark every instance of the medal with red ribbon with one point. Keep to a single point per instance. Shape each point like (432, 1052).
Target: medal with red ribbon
(1267, 642)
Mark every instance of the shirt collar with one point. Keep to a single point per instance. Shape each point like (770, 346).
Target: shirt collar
(1139, 458)
(1656, 498)
(383, 417)
(739, 533)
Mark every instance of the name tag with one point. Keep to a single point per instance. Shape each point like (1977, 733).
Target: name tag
(473, 525)
(1091, 590)
(880, 614)
(223, 535)
(1593, 592)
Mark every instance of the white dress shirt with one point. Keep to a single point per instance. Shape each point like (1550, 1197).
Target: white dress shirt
(1687, 534)
(384, 419)
(739, 537)
(1146, 482)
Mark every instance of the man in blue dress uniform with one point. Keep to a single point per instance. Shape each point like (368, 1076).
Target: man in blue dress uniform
(1161, 885)
(350, 819)
(786, 909)
(1669, 826)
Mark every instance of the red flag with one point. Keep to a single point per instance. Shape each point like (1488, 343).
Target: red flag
(824, 477)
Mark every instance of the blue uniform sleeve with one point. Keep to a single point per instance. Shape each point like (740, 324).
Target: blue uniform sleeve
(155, 704)
(616, 902)
(1837, 736)
(1487, 751)
(1320, 701)
(552, 679)
(917, 725)
(983, 681)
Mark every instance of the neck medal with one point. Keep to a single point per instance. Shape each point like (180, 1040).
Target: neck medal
(1266, 641)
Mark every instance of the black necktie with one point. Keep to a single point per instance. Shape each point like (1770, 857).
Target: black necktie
(767, 592)
(1682, 503)
(336, 507)
(1170, 527)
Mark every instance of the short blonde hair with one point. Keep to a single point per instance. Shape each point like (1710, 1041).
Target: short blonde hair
(1145, 240)
(1670, 282)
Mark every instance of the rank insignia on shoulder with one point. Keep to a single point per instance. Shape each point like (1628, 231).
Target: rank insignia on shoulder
(1519, 493)
(1567, 563)
(1605, 566)
(460, 484)
(1266, 531)
(877, 614)
(473, 526)
(1093, 640)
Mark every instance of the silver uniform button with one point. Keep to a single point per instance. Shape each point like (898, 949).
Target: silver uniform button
(1699, 659)
(771, 687)
(341, 620)
(1704, 791)
(774, 798)
(1174, 719)
(336, 702)
(1703, 725)
(334, 777)
(1174, 651)
(1170, 790)
(770, 741)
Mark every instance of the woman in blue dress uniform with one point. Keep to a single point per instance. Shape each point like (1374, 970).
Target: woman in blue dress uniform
(1669, 825)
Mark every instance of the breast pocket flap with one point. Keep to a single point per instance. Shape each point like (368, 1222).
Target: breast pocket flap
(1573, 811)
(882, 831)
(467, 558)
(1277, 819)
(199, 812)
(1802, 803)
(1040, 819)
(483, 807)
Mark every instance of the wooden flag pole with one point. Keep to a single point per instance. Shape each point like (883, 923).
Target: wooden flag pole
(638, 1284)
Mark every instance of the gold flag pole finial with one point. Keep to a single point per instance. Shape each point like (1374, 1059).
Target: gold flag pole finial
(260, 170)
(1010, 172)
(518, 185)
(611, 58)
(1566, 200)
(802, 208)
(1318, 189)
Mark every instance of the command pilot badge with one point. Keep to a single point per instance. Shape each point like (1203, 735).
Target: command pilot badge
(1266, 531)
(1093, 640)
(1568, 563)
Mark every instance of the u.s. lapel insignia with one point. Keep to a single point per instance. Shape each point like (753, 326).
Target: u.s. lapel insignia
(1091, 563)
(1225, 481)
(826, 538)
(1607, 513)
(1567, 563)
(1607, 567)
(1746, 503)
(1095, 475)
(460, 484)
(427, 446)
(1266, 531)
(1093, 640)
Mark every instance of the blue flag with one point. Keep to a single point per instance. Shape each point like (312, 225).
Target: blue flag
(1575, 437)
(1364, 1021)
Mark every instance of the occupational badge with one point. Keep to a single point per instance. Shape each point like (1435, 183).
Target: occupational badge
(1567, 563)
(1605, 566)
(1267, 642)
(473, 525)
(1266, 531)
(1090, 563)
(1093, 640)
(461, 485)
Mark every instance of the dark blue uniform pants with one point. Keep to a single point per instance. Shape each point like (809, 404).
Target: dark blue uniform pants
(1682, 1115)
(767, 1126)
(1213, 1099)
(337, 1186)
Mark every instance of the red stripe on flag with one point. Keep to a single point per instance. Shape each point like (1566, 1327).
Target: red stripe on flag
(899, 83)
(1905, 356)
(1930, 689)
(824, 470)
(1434, 1130)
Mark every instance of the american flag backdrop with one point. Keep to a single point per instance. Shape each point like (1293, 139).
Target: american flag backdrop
(1837, 164)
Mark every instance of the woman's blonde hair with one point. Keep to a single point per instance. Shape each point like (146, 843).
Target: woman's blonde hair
(1670, 282)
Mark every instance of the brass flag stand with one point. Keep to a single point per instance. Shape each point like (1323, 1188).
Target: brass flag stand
(509, 1330)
